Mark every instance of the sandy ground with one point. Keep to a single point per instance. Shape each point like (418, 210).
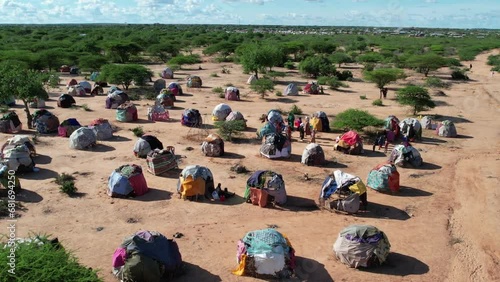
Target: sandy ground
(442, 225)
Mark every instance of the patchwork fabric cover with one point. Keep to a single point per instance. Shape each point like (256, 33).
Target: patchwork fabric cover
(127, 180)
(232, 94)
(159, 84)
(102, 129)
(191, 118)
(165, 99)
(213, 146)
(45, 122)
(160, 161)
(82, 138)
(195, 180)
(19, 140)
(311, 88)
(175, 88)
(167, 73)
(67, 127)
(37, 103)
(405, 155)
(362, 246)
(265, 252)
(18, 158)
(65, 101)
(10, 123)
(86, 85)
(115, 98)
(446, 129)
(276, 146)
(427, 122)
(313, 155)
(76, 90)
(384, 178)
(126, 112)
(291, 90)
(271, 186)
(194, 82)
(220, 112)
(251, 79)
(158, 113)
(145, 144)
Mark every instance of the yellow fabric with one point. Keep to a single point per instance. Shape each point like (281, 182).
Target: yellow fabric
(241, 267)
(316, 124)
(190, 187)
(358, 188)
(287, 241)
(343, 144)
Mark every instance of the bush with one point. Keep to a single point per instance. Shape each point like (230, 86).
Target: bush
(344, 75)
(67, 183)
(290, 65)
(279, 93)
(214, 74)
(86, 108)
(436, 82)
(218, 90)
(377, 102)
(45, 262)
(355, 119)
(459, 75)
(369, 67)
(138, 131)
(228, 129)
(323, 80)
(362, 97)
(228, 84)
(295, 110)
(134, 96)
(453, 62)
(334, 83)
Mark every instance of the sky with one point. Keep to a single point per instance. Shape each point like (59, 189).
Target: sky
(380, 13)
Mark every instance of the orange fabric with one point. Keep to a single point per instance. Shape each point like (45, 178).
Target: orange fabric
(190, 187)
(240, 270)
(258, 197)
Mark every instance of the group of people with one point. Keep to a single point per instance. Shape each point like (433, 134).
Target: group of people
(303, 126)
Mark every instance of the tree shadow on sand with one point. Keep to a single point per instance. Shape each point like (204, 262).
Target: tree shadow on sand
(229, 155)
(406, 191)
(399, 265)
(42, 174)
(195, 273)
(375, 210)
(118, 138)
(311, 270)
(43, 159)
(27, 196)
(101, 148)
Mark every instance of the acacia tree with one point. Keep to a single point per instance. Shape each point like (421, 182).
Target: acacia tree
(340, 58)
(256, 58)
(261, 86)
(121, 51)
(384, 76)
(317, 66)
(124, 74)
(22, 83)
(415, 96)
(426, 63)
(164, 51)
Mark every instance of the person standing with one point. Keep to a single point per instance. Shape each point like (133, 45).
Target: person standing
(291, 119)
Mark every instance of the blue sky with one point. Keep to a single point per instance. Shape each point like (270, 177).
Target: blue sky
(394, 13)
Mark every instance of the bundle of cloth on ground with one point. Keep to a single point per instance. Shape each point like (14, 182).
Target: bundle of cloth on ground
(126, 112)
(45, 122)
(127, 181)
(19, 140)
(350, 189)
(265, 187)
(158, 113)
(159, 161)
(411, 129)
(82, 138)
(10, 123)
(362, 246)
(102, 129)
(313, 155)
(147, 256)
(67, 127)
(276, 146)
(191, 118)
(264, 253)
(18, 158)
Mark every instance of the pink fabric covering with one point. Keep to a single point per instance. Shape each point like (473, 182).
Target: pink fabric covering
(160, 116)
(138, 182)
(351, 137)
(119, 257)
(240, 250)
(61, 131)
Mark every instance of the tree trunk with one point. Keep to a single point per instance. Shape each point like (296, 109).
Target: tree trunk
(28, 114)
(256, 74)
(380, 93)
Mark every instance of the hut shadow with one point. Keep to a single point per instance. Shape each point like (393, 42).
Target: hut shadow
(345, 90)
(311, 270)
(294, 158)
(450, 118)
(332, 164)
(78, 195)
(42, 174)
(406, 191)
(233, 201)
(374, 154)
(118, 138)
(461, 136)
(193, 272)
(43, 159)
(250, 129)
(176, 108)
(25, 196)
(173, 173)
(228, 155)
(399, 265)
(101, 148)
(154, 195)
(428, 166)
(286, 100)
(375, 210)
(296, 204)
(441, 103)
(141, 121)
(432, 141)
(185, 95)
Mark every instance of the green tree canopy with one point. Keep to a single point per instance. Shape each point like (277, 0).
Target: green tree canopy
(51, 59)
(371, 57)
(340, 58)
(415, 96)
(355, 119)
(383, 76)
(22, 83)
(261, 86)
(317, 66)
(124, 74)
(92, 62)
(256, 58)
(164, 51)
(121, 51)
(224, 49)
(185, 60)
(426, 63)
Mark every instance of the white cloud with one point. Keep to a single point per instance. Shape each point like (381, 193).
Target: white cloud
(258, 2)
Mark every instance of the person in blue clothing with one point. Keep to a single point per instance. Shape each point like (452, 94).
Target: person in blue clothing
(381, 140)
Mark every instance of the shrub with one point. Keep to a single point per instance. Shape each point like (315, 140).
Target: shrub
(261, 86)
(295, 110)
(377, 102)
(323, 80)
(217, 90)
(416, 97)
(228, 84)
(86, 108)
(138, 131)
(66, 183)
(436, 82)
(221, 95)
(45, 262)
(355, 119)
(214, 74)
(279, 93)
(453, 62)
(134, 96)
(228, 129)
(459, 75)
(344, 75)
(369, 66)
(289, 65)
(362, 97)
(334, 83)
